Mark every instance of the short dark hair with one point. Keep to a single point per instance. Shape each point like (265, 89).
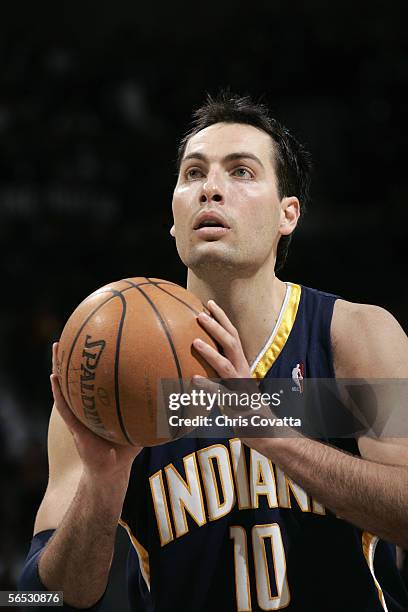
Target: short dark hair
(293, 162)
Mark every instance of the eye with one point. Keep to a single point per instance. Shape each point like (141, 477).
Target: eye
(243, 173)
(193, 173)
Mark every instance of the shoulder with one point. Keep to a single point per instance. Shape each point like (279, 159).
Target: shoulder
(348, 315)
(367, 342)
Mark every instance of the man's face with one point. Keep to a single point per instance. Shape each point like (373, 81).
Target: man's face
(226, 205)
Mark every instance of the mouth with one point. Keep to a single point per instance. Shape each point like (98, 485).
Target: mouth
(210, 220)
(211, 226)
(211, 232)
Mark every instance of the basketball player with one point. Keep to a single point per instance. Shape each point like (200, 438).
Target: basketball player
(224, 525)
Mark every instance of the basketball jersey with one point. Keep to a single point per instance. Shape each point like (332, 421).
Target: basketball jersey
(216, 526)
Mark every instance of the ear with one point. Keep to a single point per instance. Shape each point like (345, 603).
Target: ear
(173, 231)
(289, 215)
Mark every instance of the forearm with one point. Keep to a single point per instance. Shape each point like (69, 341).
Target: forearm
(370, 495)
(78, 557)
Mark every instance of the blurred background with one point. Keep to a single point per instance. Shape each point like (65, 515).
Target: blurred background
(93, 99)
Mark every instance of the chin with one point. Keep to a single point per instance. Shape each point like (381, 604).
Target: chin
(219, 261)
(210, 262)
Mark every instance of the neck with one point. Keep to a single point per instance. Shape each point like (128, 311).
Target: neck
(252, 304)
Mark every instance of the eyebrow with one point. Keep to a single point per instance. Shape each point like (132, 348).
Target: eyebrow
(228, 158)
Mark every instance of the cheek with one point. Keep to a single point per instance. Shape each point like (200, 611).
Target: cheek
(183, 211)
(183, 199)
(180, 209)
(259, 211)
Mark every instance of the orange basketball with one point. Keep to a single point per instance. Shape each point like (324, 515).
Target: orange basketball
(117, 346)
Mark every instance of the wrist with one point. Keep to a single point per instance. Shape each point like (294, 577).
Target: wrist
(105, 491)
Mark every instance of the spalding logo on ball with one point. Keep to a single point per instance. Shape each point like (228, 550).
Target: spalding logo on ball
(117, 346)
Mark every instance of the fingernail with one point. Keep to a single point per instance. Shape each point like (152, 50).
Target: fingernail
(204, 315)
(198, 342)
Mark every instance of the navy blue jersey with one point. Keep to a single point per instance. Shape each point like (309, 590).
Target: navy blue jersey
(217, 526)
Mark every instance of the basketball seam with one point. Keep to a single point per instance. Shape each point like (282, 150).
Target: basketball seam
(196, 312)
(166, 330)
(114, 294)
(79, 333)
(117, 353)
(148, 282)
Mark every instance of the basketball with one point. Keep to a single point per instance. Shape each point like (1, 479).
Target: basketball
(117, 346)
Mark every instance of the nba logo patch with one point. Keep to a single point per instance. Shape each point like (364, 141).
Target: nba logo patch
(298, 374)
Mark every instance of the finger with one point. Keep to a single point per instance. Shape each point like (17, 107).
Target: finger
(220, 335)
(72, 422)
(208, 385)
(54, 357)
(218, 362)
(221, 317)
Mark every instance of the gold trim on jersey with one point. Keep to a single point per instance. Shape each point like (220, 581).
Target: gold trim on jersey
(164, 539)
(241, 562)
(141, 553)
(188, 485)
(369, 543)
(271, 353)
(240, 470)
(209, 458)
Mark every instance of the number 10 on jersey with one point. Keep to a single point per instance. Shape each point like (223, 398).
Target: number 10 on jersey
(268, 598)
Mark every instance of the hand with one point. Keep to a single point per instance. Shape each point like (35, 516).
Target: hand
(232, 363)
(100, 457)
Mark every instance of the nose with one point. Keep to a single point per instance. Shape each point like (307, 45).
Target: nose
(212, 190)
